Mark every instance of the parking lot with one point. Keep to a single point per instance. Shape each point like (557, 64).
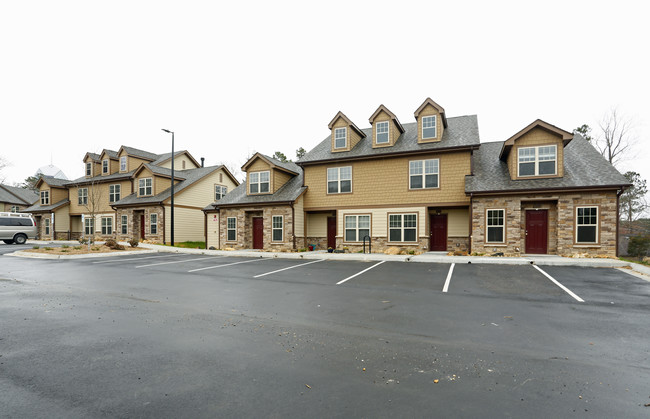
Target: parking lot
(176, 335)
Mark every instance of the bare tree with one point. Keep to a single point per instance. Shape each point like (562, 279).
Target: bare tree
(616, 138)
(633, 202)
(90, 197)
(3, 163)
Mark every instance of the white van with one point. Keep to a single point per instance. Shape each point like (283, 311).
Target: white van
(16, 228)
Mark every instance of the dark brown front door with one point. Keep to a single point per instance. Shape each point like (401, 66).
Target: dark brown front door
(331, 232)
(258, 233)
(142, 226)
(438, 232)
(537, 231)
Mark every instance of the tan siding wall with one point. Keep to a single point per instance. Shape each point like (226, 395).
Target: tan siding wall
(101, 189)
(379, 219)
(428, 111)
(457, 222)
(299, 217)
(75, 224)
(62, 219)
(213, 230)
(57, 195)
(188, 224)
(133, 163)
(279, 179)
(2, 206)
(161, 184)
(201, 193)
(536, 137)
(178, 163)
(386, 182)
(114, 166)
(316, 225)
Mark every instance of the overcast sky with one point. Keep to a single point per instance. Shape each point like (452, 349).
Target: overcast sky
(232, 78)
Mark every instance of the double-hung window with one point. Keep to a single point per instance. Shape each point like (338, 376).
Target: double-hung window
(114, 192)
(105, 166)
(429, 130)
(219, 192)
(144, 186)
(124, 224)
(89, 226)
(259, 182)
(82, 195)
(45, 197)
(123, 164)
(356, 227)
(340, 137)
(14, 208)
(587, 225)
(537, 161)
(495, 226)
(382, 132)
(47, 226)
(89, 169)
(277, 227)
(107, 226)
(402, 227)
(424, 174)
(339, 179)
(153, 225)
(231, 229)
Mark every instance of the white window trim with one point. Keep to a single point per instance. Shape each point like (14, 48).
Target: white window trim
(89, 226)
(111, 196)
(357, 235)
(126, 164)
(82, 198)
(108, 167)
(417, 226)
(124, 224)
(345, 137)
(274, 228)
(151, 223)
(107, 225)
(435, 118)
(228, 229)
(387, 132)
(145, 187)
(338, 180)
(259, 183)
(424, 173)
(223, 190)
(503, 227)
(597, 225)
(15, 208)
(537, 160)
(45, 197)
(89, 168)
(47, 226)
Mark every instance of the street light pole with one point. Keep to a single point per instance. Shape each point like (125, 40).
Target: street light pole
(172, 200)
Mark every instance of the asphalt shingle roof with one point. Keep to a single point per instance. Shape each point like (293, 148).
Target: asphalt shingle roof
(100, 178)
(41, 208)
(162, 157)
(461, 131)
(15, 195)
(291, 166)
(584, 166)
(53, 181)
(140, 153)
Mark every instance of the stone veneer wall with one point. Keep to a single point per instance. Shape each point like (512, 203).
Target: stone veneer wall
(245, 228)
(561, 222)
(134, 224)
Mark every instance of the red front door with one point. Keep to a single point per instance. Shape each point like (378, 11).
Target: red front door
(258, 233)
(438, 232)
(537, 231)
(331, 232)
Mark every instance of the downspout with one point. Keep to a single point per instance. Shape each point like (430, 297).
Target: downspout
(164, 224)
(293, 224)
(471, 216)
(205, 229)
(618, 195)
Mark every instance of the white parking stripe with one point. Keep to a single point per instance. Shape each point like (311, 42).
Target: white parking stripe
(121, 260)
(227, 264)
(568, 291)
(178, 261)
(290, 267)
(359, 273)
(448, 280)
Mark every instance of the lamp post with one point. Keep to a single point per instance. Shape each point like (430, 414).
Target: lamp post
(172, 203)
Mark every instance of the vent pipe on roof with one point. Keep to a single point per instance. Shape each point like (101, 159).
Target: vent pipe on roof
(202, 161)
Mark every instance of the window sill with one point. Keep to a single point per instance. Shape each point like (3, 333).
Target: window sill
(584, 246)
(402, 243)
(496, 244)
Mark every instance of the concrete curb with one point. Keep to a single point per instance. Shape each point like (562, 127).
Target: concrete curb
(30, 255)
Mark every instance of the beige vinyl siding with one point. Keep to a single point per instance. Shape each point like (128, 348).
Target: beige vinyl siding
(62, 219)
(178, 163)
(102, 191)
(316, 224)
(279, 178)
(299, 217)
(133, 163)
(189, 224)
(75, 224)
(212, 225)
(457, 222)
(2, 206)
(379, 219)
(201, 193)
(536, 137)
(57, 195)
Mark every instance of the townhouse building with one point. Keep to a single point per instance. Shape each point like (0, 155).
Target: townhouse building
(14, 199)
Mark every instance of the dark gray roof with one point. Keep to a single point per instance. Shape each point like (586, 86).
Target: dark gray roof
(584, 166)
(111, 153)
(99, 178)
(289, 192)
(162, 157)
(53, 181)
(291, 166)
(189, 177)
(94, 156)
(15, 195)
(140, 153)
(462, 131)
(39, 208)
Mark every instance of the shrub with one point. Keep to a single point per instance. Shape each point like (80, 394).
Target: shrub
(84, 240)
(110, 243)
(47, 248)
(133, 243)
(638, 246)
(36, 247)
(95, 248)
(64, 250)
(77, 248)
(64, 246)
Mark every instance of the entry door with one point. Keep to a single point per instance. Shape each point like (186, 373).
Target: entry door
(331, 232)
(258, 233)
(438, 232)
(537, 231)
(142, 226)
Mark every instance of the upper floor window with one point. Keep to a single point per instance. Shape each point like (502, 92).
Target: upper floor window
(356, 227)
(145, 186)
(219, 192)
(105, 166)
(114, 193)
(45, 197)
(82, 195)
(259, 182)
(89, 169)
(587, 225)
(278, 228)
(402, 227)
(15, 208)
(538, 161)
(495, 226)
(339, 179)
(424, 174)
(340, 137)
(382, 132)
(123, 164)
(429, 127)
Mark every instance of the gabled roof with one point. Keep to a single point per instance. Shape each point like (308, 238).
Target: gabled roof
(138, 153)
(160, 171)
(584, 167)
(110, 153)
(93, 156)
(16, 195)
(36, 208)
(538, 123)
(289, 167)
(101, 178)
(389, 113)
(462, 133)
(347, 121)
(52, 181)
(440, 109)
(167, 156)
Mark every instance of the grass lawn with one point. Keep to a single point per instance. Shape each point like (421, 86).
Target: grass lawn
(634, 260)
(190, 245)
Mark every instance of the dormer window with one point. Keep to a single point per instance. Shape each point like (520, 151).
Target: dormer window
(145, 186)
(537, 161)
(429, 127)
(105, 167)
(340, 137)
(382, 133)
(45, 197)
(89, 169)
(259, 182)
(123, 164)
